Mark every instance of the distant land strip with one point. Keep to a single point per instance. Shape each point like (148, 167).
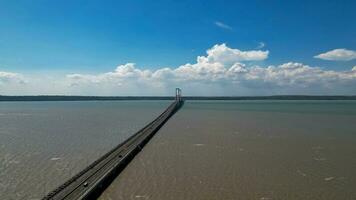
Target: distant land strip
(118, 98)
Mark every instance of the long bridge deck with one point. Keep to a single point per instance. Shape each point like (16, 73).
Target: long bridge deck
(90, 182)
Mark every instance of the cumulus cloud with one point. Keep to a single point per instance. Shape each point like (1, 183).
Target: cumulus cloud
(222, 25)
(236, 79)
(338, 55)
(10, 83)
(9, 77)
(221, 53)
(222, 71)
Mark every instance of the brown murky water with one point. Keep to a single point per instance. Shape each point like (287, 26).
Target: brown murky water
(247, 150)
(42, 144)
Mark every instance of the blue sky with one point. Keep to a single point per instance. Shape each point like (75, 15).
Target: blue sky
(93, 37)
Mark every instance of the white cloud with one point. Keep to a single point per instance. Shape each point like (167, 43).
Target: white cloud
(338, 55)
(10, 82)
(9, 77)
(223, 71)
(222, 25)
(261, 45)
(235, 79)
(220, 53)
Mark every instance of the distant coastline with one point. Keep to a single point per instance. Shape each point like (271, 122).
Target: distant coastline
(118, 98)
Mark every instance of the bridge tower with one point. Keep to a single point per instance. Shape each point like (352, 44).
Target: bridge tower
(178, 94)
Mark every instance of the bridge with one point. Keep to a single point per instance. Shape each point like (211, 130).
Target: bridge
(94, 179)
